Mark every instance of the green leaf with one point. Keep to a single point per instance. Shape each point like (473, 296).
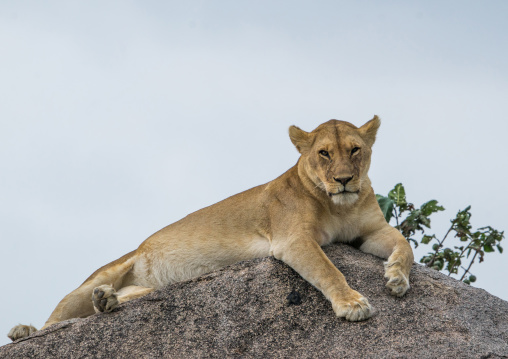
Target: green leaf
(438, 265)
(426, 239)
(411, 224)
(461, 223)
(386, 204)
(415, 243)
(424, 220)
(430, 207)
(499, 248)
(488, 248)
(398, 195)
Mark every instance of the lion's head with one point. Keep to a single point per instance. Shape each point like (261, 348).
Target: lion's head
(336, 156)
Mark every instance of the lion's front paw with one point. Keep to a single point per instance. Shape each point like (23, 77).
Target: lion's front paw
(354, 307)
(21, 331)
(398, 282)
(104, 298)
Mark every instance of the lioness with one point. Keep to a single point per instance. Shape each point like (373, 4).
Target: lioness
(326, 197)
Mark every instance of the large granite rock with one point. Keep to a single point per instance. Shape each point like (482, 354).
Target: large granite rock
(243, 311)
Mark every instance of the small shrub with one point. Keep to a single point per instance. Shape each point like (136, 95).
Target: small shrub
(469, 246)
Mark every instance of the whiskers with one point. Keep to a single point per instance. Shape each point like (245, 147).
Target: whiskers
(321, 186)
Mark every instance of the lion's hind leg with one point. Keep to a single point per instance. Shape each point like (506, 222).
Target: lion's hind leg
(94, 295)
(105, 298)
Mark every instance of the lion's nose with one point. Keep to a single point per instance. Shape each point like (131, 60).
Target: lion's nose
(343, 180)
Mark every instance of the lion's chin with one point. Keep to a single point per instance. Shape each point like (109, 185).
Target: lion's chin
(344, 198)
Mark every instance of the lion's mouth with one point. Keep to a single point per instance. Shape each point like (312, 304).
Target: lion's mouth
(343, 193)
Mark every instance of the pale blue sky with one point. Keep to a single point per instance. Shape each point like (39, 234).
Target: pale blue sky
(120, 117)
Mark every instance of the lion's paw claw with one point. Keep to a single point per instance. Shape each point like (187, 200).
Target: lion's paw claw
(21, 331)
(104, 298)
(398, 283)
(353, 309)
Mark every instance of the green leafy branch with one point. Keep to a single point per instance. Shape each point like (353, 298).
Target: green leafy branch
(412, 222)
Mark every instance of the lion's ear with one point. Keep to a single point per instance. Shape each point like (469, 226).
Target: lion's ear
(300, 139)
(369, 130)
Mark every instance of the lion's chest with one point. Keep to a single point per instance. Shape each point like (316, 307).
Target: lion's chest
(340, 229)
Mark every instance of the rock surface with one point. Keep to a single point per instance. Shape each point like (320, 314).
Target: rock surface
(242, 311)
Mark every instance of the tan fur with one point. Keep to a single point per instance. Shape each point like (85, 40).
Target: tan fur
(325, 197)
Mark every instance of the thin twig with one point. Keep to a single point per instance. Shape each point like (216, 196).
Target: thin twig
(460, 256)
(470, 264)
(396, 216)
(431, 262)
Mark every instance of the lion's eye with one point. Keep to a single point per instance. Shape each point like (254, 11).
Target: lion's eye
(354, 150)
(324, 153)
